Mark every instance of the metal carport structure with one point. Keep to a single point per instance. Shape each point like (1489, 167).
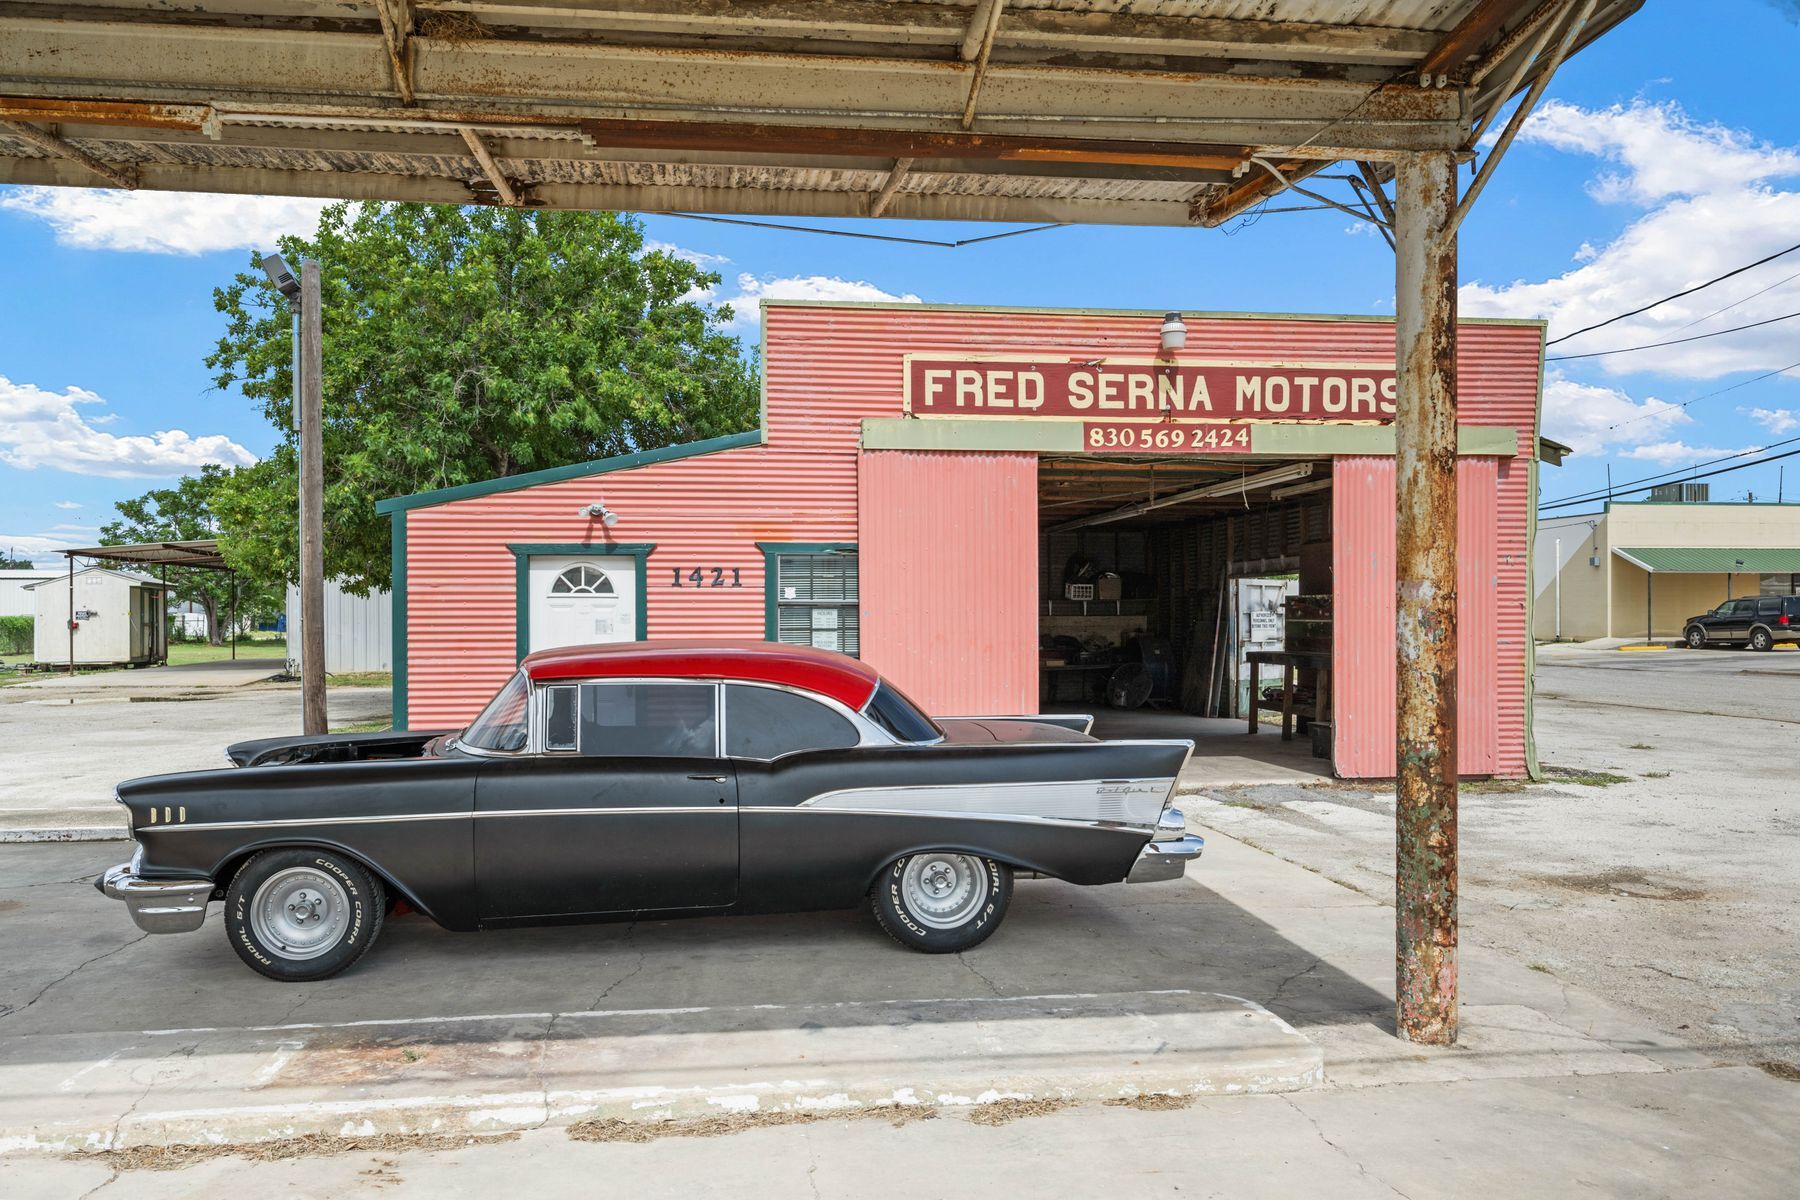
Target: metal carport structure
(1178, 112)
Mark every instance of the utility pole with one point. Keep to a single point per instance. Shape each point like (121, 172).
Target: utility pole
(308, 398)
(312, 504)
(1425, 561)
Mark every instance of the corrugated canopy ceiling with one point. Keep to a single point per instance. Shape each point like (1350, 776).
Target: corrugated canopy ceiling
(1016, 110)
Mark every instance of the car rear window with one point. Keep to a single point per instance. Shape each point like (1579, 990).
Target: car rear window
(1769, 606)
(766, 723)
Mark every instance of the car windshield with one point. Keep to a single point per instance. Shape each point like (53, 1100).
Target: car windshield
(502, 724)
(890, 709)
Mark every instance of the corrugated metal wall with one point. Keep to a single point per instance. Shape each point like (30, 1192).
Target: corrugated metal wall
(359, 630)
(1363, 673)
(828, 367)
(949, 545)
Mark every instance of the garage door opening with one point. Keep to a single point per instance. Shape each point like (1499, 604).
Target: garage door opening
(1192, 597)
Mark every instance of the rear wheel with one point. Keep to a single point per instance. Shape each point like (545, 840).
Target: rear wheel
(1696, 638)
(301, 915)
(1760, 640)
(940, 901)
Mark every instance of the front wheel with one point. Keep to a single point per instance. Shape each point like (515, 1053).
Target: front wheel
(301, 915)
(940, 901)
(1760, 640)
(1696, 638)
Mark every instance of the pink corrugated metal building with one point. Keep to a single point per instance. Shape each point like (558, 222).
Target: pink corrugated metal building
(995, 506)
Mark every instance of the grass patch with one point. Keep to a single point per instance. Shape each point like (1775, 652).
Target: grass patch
(378, 679)
(1490, 787)
(1584, 778)
(374, 726)
(1656, 774)
(1540, 967)
(1640, 746)
(182, 654)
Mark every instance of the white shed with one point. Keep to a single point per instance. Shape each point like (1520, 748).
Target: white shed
(118, 618)
(16, 599)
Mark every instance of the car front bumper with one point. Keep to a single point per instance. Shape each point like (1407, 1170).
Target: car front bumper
(158, 905)
(1169, 852)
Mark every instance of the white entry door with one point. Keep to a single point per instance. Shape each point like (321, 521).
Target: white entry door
(580, 599)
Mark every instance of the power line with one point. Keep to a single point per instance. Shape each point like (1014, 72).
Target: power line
(1668, 408)
(1745, 300)
(1678, 295)
(1627, 491)
(1664, 476)
(1698, 337)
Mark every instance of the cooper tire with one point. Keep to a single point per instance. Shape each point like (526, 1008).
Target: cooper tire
(941, 901)
(1696, 638)
(302, 915)
(1760, 640)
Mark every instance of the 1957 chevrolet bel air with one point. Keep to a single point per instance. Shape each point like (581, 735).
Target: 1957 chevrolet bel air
(653, 778)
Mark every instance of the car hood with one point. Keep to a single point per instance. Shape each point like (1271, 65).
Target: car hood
(967, 730)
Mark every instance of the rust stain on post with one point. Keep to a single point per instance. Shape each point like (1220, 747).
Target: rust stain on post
(1425, 468)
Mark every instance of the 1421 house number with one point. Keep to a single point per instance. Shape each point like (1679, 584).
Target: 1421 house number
(701, 577)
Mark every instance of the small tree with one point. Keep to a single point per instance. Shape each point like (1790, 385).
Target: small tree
(184, 513)
(11, 562)
(463, 344)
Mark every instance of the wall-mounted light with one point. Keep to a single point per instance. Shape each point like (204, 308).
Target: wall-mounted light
(598, 508)
(1174, 331)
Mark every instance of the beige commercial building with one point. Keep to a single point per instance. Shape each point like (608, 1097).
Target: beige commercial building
(1641, 568)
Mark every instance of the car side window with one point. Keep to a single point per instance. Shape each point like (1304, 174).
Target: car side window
(649, 720)
(1769, 606)
(1742, 608)
(561, 706)
(767, 723)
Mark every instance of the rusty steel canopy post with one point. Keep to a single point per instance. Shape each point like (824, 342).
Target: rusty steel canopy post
(1425, 559)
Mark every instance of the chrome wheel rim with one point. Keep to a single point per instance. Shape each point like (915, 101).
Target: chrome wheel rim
(942, 891)
(300, 913)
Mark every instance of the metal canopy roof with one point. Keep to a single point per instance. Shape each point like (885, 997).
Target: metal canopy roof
(1711, 560)
(203, 554)
(1004, 110)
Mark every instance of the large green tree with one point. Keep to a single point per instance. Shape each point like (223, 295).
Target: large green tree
(184, 513)
(462, 344)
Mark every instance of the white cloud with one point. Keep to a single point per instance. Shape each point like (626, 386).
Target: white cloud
(47, 429)
(164, 222)
(699, 258)
(1710, 207)
(751, 291)
(43, 549)
(1776, 420)
(67, 504)
(1592, 418)
(1667, 453)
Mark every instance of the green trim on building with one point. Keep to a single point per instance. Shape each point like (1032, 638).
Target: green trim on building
(1055, 436)
(770, 551)
(522, 555)
(600, 466)
(397, 551)
(1712, 560)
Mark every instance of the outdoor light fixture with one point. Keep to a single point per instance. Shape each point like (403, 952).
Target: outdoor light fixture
(1174, 331)
(284, 280)
(598, 508)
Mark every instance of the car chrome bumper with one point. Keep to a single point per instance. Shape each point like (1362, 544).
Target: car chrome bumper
(158, 905)
(1169, 853)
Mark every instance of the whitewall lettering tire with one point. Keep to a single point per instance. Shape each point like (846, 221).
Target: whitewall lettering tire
(300, 915)
(941, 901)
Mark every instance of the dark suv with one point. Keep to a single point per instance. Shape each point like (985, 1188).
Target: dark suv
(1755, 621)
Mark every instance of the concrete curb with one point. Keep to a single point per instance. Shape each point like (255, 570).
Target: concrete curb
(516, 1071)
(67, 833)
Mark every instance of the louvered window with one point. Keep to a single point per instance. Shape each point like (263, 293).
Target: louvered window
(816, 601)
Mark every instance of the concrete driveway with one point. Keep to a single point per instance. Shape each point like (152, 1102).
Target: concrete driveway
(65, 751)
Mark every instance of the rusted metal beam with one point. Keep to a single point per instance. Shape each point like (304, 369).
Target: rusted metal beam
(194, 117)
(1425, 626)
(1517, 121)
(987, 17)
(48, 142)
(879, 204)
(1469, 35)
(1373, 179)
(1253, 190)
(396, 36)
(491, 168)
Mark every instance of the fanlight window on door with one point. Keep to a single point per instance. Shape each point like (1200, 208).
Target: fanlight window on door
(582, 580)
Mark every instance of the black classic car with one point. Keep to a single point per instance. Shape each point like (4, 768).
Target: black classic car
(1758, 622)
(649, 779)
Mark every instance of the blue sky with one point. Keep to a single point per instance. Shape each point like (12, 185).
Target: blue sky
(1665, 154)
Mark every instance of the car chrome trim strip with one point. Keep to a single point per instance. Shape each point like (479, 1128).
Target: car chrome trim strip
(1009, 818)
(1137, 801)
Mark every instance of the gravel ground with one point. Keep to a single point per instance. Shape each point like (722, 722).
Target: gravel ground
(1671, 892)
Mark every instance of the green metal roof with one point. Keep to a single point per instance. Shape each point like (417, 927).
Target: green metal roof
(1711, 560)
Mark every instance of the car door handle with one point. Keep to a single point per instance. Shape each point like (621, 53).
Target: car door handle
(710, 778)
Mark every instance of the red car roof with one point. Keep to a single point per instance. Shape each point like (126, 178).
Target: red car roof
(838, 676)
